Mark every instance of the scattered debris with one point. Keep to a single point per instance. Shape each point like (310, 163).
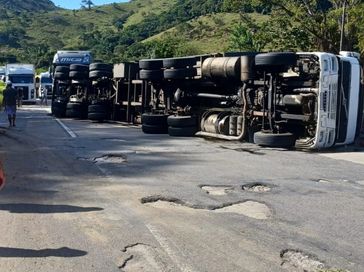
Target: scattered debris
(295, 260)
(111, 158)
(256, 187)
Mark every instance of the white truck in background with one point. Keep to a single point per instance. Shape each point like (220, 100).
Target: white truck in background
(22, 77)
(45, 84)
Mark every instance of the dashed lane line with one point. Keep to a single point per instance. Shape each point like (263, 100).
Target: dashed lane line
(183, 266)
(67, 129)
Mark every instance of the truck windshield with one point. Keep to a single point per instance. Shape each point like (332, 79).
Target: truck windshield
(45, 80)
(2, 71)
(27, 79)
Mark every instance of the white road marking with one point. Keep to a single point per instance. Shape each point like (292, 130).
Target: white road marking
(165, 245)
(67, 129)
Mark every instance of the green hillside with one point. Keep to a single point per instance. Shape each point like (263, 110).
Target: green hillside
(28, 5)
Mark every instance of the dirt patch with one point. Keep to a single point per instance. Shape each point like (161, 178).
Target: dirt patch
(298, 261)
(249, 208)
(217, 190)
(256, 187)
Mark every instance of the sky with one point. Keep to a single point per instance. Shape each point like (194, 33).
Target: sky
(76, 4)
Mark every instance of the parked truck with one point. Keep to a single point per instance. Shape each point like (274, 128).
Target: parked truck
(22, 77)
(45, 84)
(309, 100)
(70, 72)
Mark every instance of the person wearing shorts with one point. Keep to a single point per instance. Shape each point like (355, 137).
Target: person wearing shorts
(9, 101)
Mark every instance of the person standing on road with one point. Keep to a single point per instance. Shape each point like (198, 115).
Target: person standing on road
(9, 101)
(43, 94)
(20, 97)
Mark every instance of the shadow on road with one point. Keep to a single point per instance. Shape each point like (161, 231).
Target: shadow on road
(9, 252)
(40, 208)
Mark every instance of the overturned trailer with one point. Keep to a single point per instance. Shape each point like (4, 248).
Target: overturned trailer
(308, 100)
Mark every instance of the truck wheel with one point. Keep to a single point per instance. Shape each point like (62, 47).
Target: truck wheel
(97, 108)
(101, 66)
(151, 74)
(151, 129)
(79, 68)
(100, 74)
(182, 131)
(74, 110)
(78, 75)
(275, 62)
(97, 116)
(154, 119)
(61, 76)
(180, 73)
(151, 64)
(179, 62)
(182, 121)
(58, 109)
(274, 140)
(62, 69)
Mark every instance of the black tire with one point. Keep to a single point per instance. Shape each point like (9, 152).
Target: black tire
(73, 106)
(182, 121)
(180, 73)
(182, 131)
(179, 62)
(101, 66)
(159, 120)
(61, 76)
(274, 140)
(62, 69)
(97, 116)
(151, 64)
(58, 109)
(151, 74)
(78, 75)
(275, 61)
(97, 109)
(79, 67)
(100, 74)
(150, 129)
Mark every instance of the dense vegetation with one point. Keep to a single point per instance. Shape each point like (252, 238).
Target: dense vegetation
(165, 28)
(28, 5)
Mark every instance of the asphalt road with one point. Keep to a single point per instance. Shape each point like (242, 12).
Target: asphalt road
(83, 196)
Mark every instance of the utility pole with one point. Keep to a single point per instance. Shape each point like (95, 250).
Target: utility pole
(343, 17)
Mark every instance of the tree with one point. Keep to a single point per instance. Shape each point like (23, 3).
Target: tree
(305, 24)
(87, 4)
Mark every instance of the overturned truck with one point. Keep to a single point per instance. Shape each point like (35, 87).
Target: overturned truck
(283, 99)
(81, 89)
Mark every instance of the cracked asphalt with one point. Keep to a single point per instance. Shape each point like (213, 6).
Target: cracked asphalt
(83, 203)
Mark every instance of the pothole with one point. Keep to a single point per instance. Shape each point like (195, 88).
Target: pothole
(299, 261)
(256, 187)
(111, 158)
(249, 208)
(217, 190)
(142, 257)
(252, 209)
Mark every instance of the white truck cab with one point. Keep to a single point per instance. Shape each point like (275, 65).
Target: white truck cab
(45, 84)
(22, 77)
(339, 110)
